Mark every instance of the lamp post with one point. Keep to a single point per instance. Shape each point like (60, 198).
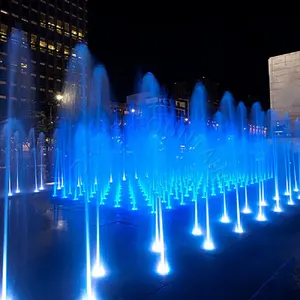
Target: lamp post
(59, 97)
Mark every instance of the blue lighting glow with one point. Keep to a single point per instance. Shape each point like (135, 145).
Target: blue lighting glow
(230, 167)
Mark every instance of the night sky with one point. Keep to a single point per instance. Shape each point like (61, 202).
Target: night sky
(231, 51)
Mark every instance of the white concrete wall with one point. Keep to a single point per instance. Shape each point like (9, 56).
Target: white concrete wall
(284, 75)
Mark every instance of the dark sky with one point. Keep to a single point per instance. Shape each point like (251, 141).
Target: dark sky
(233, 51)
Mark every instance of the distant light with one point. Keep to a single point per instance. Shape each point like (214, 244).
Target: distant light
(186, 119)
(59, 97)
(133, 110)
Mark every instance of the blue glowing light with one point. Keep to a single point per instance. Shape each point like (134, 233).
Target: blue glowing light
(202, 168)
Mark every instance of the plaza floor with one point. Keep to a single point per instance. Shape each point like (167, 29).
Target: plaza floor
(46, 254)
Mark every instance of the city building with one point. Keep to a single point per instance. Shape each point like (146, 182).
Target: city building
(182, 94)
(284, 78)
(119, 110)
(136, 103)
(51, 28)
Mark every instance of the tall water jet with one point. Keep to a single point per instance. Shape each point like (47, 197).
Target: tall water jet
(18, 66)
(34, 157)
(163, 265)
(272, 128)
(243, 132)
(99, 100)
(288, 154)
(75, 104)
(41, 147)
(17, 159)
(230, 124)
(257, 121)
(297, 150)
(198, 131)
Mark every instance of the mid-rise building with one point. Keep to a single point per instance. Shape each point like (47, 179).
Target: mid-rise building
(182, 94)
(137, 102)
(51, 28)
(284, 76)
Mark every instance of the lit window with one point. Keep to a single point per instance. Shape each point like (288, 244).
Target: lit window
(33, 39)
(59, 24)
(23, 66)
(3, 29)
(51, 23)
(58, 47)
(51, 45)
(3, 38)
(67, 27)
(66, 51)
(43, 20)
(43, 43)
(74, 31)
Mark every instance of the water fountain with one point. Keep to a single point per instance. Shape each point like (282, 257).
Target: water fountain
(222, 167)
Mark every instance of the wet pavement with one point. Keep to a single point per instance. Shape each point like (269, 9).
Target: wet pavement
(284, 284)
(46, 253)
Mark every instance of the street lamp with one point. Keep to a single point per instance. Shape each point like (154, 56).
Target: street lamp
(59, 97)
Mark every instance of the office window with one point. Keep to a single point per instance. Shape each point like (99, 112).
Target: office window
(3, 29)
(3, 38)
(74, 31)
(43, 43)
(51, 45)
(67, 27)
(3, 32)
(58, 47)
(51, 23)
(33, 41)
(24, 65)
(67, 50)
(43, 20)
(59, 26)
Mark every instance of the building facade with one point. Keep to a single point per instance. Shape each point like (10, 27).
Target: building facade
(51, 28)
(182, 93)
(137, 102)
(284, 78)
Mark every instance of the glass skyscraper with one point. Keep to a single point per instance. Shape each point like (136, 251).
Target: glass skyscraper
(52, 28)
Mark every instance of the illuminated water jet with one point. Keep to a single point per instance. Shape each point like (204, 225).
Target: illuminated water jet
(197, 229)
(163, 266)
(208, 242)
(225, 218)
